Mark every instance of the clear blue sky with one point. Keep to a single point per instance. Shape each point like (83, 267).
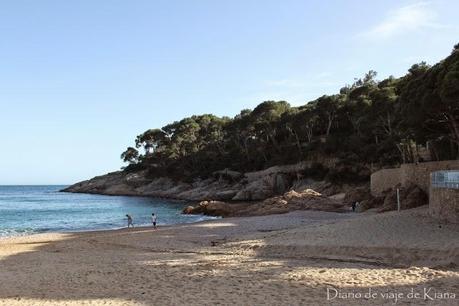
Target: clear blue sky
(80, 79)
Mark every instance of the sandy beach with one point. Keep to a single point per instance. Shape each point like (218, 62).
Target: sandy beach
(288, 259)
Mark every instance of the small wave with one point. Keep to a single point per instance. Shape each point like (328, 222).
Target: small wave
(199, 218)
(10, 232)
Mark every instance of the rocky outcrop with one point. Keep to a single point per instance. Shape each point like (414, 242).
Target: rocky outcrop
(305, 200)
(115, 183)
(228, 174)
(264, 187)
(120, 183)
(410, 197)
(277, 189)
(224, 185)
(289, 201)
(213, 208)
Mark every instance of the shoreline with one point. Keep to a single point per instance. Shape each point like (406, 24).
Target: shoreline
(277, 259)
(275, 222)
(211, 218)
(139, 228)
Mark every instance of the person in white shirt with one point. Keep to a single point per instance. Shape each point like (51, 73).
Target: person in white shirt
(153, 220)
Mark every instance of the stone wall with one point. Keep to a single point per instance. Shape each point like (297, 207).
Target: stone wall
(418, 174)
(444, 204)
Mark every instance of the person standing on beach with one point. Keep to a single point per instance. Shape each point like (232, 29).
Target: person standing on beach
(153, 220)
(129, 221)
(354, 205)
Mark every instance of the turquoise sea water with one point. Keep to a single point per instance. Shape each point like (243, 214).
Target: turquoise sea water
(35, 209)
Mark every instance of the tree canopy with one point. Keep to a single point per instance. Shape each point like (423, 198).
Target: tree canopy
(374, 122)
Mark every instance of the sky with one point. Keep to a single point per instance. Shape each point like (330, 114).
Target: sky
(80, 79)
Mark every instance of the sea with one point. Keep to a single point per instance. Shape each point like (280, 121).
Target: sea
(26, 210)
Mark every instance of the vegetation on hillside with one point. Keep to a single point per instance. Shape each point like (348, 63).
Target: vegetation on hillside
(370, 122)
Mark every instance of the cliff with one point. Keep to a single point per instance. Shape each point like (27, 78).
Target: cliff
(224, 185)
(274, 190)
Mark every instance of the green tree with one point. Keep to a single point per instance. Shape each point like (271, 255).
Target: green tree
(369, 121)
(430, 101)
(327, 108)
(151, 140)
(131, 155)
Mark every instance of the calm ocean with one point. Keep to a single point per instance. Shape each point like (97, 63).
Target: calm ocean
(35, 209)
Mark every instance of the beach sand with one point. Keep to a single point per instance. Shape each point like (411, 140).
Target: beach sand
(288, 259)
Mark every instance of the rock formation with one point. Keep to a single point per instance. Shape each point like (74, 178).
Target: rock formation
(289, 201)
(224, 185)
(277, 189)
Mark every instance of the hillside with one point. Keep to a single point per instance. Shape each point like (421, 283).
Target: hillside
(328, 144)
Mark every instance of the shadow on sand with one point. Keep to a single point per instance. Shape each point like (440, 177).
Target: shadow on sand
(194, 264)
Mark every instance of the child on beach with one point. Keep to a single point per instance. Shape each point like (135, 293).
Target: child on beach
(153, 220)
(129, 221)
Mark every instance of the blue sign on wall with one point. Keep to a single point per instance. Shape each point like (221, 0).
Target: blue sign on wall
(445, 179)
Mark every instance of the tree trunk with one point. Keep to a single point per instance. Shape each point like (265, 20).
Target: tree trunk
(264, 156)
(298, 144)
(330, 122)
(309, 134)
(454, 127)
(297, 139)
(274, 142)
(402, 152)
(246, 148)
